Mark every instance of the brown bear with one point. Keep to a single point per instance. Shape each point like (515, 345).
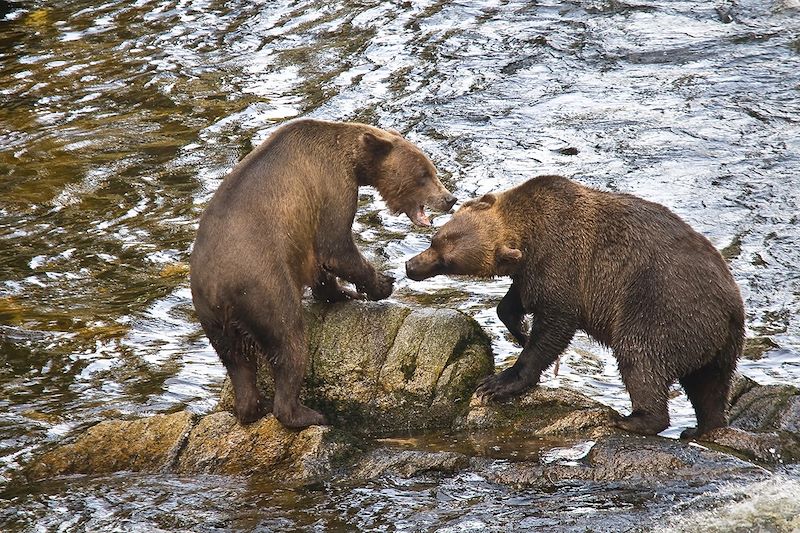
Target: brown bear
(281, 221)
(628, 272)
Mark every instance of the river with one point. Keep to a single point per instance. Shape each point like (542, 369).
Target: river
(119, 119)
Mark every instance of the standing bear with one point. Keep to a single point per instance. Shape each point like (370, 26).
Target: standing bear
(282, 221)
(628, 272)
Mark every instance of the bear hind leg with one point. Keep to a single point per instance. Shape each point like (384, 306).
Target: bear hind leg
(707, 389)
(288, 370)
(286, 353)
(274, 322)
(239, 356)
(649, 393)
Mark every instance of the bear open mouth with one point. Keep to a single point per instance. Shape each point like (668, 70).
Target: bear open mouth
(419, 217)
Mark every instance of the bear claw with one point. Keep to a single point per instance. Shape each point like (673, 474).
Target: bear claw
(505, 385)
(382, 287)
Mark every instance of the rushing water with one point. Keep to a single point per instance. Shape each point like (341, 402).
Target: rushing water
(119, 119)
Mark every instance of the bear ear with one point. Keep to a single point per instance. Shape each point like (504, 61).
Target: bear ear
(484, 202)
(376, 145)
(507, 260)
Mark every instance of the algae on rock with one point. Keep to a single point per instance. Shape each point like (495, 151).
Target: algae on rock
(378, 368)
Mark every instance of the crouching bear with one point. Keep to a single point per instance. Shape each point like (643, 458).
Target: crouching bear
(628, 272)
(281, 221)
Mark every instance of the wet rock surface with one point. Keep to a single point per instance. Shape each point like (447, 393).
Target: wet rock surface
(623, 459)
(764, 423)
(543, 411)
(218, 444)
(378, 368)
(382, 369)
(146, 445)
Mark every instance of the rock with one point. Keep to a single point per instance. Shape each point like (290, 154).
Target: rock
(769, 448)
(658, 458)
(145, 445)
(767, 408)
(378, 368)
(789, 417)
(764, 422)
(215, 444)
(408, 463)
(755, 347)
(543, 411)
(629, 459)
(739, 385)
(218, 444)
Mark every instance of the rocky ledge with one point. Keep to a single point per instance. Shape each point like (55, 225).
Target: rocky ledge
(397, 384)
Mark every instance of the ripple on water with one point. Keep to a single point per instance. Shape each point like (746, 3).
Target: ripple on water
(119, 120)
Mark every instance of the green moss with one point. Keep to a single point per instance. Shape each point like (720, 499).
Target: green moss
(756, 347)
(733, 250)
(438, 297)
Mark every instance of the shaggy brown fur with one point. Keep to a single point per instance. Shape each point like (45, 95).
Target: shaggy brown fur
(281, 221)
(628, 272)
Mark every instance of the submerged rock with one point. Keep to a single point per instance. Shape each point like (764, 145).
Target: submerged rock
(630, 459)
(408, 463)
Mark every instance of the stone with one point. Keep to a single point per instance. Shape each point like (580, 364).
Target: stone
(382, 369)
(376, 368)
(218, 444)
(145, 445)
(408, 463)
(766, 408)
(768, 448)
(624, 459)
(542, 411)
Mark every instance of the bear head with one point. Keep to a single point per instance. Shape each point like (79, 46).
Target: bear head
(473, 243)
(403, 175)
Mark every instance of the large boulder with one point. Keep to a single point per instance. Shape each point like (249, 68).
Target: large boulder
(379, 368)
(375, 368)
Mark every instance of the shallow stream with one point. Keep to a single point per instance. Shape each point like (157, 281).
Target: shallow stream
(119, 119)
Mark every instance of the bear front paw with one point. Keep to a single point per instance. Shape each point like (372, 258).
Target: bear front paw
(503, 386)
(382, 287)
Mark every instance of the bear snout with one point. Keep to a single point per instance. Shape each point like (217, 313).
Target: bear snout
(448, 202)
(420, 267)
(442, 201)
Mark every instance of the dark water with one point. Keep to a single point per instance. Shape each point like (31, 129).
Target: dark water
(119, 119)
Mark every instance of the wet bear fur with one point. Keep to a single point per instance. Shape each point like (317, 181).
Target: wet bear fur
(281, 221)
(627, 271)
